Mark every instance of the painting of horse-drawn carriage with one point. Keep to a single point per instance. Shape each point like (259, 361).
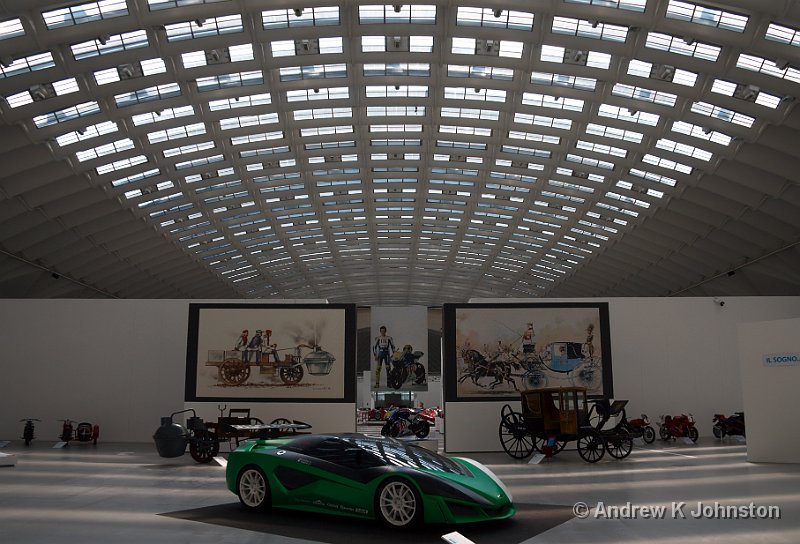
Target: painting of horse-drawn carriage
(496, 351)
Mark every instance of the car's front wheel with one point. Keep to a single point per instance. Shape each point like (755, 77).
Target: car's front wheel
(398, 504)
(253, 489)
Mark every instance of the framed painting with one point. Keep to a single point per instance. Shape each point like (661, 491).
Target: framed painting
(494, 351)
(271, 353)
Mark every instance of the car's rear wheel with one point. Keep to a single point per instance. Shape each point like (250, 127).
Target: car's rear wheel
(253, 489)
(398, 504)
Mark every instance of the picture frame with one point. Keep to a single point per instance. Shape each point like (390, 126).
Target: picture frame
(493, 351)
(302, 353)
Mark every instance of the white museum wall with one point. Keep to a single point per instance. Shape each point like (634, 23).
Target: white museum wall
(769, 390)
(669, 355)
(116, 363)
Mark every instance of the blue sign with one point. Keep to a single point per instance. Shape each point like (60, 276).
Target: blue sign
(782, 359)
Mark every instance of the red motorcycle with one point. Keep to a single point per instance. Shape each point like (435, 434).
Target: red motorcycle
(678, 427)
(640, 427)
(84, 432)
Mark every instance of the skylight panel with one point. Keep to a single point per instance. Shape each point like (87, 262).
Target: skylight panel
(696, 131)
(387, 91)
(84, 13)
(562, 80)
(156, 5)
(666, 163)
(189, 148)
(227, 81)
(261, 99)
(24, 65)
(662, 72)
(723, 114)
(458, 145)
(542, 120)
(622, 184)
(748, 93)
(460, 129)
(105, 149)
(144, 68)
(395, 111)
(474, 46)
(397, 13)
(175, 133)
(234, 53)
(589, 29)
(601, 148)
(684, 149)
(588, 161)
(87, 133)
(299, 17)
(477, 93)
(325, 131)
(653, 177)
(550, 101)
(291, 48)
(314, 71)
(470, 113)
(631, 116)
(325, 93)
(322, 113)
(570, 186)
(779, 68)
(381, 44)
(135, 178)
(201, 28)
(67, 114)
(629, 5)
(108, 44)
(561, 55)
(38, 93)
(532, 137)
(494, 18)
(645, 95)
(11, 28)
(681, 46)
(706, 15)
(162, 115)
(397, 69)
(481, 72)
(148, 94)
(615, 133)
(783, 34)
(120, 165)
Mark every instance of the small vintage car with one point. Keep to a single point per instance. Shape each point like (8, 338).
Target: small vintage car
(366, 477)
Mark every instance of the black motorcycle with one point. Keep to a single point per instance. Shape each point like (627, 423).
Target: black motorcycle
(28, 430)
(733, 425)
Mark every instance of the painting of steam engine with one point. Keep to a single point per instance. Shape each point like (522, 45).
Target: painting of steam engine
(495, 351)
(300, 352)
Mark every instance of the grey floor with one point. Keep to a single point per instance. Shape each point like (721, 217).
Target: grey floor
(114, 492)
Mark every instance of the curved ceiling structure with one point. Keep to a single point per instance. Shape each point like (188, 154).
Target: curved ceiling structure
(399, 154)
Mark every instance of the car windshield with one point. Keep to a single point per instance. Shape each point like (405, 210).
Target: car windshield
(397, 453)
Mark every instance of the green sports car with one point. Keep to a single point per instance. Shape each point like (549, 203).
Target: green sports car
(367, 477)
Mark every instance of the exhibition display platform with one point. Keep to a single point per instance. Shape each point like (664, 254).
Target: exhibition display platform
(126, 493)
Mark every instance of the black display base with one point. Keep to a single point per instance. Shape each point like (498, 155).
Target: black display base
(529, 521)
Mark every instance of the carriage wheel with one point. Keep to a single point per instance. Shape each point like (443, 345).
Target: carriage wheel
(620, 445)
(204, 448)
(514, 436)
(291, 375)
(234, 372)
(591, 446)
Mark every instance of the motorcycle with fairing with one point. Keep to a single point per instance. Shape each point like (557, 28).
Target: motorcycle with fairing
(408, 421)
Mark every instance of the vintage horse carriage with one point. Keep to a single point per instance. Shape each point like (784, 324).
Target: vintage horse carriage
(552, 417)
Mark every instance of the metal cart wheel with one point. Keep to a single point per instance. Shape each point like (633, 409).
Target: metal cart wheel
(291, 375)
(591, 446)
(620, 444)
(204, 447)
(514, 435)
(234, 371)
